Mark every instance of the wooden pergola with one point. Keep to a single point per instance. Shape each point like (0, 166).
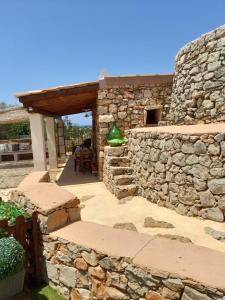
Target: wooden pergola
(44, 106)
(62, 100)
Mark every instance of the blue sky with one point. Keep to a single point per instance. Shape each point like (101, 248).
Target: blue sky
(53, 42)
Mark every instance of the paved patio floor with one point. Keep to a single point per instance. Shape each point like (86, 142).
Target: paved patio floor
(102, 207)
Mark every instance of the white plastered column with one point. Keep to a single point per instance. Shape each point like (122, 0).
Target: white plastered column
(38, 141)
(51, 142)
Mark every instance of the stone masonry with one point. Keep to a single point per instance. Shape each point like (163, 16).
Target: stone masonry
(81, 273)
(184, 172)
(199, 81)
(126, 105)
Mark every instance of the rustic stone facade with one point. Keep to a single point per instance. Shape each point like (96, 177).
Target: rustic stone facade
(85, 274)
(184, 172)
(199, 81)
(126, 105)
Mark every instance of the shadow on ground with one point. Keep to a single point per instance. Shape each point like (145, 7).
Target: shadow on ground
(69, 177)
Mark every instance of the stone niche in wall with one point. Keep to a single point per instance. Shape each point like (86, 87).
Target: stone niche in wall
(199, 81)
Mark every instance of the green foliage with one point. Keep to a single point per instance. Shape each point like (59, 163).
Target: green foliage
(45, 292)
(3, 233)
(75, 132)
(9, 211)
(11, 257)
(14, 131)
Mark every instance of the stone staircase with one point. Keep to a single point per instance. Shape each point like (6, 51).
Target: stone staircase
(117, 173)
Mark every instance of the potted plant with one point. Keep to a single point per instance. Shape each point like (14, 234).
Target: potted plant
(11, 267)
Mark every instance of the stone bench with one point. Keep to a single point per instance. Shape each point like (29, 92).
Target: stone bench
(56, 206)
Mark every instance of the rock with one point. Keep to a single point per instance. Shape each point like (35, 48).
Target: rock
(56, 219)
(199, 171)
(174, 237)
(219, 137)
(214, 214)
(122, 115)
(174, 284)
(117, 280)
(109, 263)
(127, 226)
(179, 159)
(98, 288)
(52, 271)
(106, 118)
(150, 222)
(75, 295)
(187, 148)
(207, 199)
(200, 147)
(114, 294)
(181, 209)
(90, 258)
(85, 294)
(191, 294)
(134, 274)
(213, 149)
(168, 294)
(218, 235)
(81, 264)
(67, 276)
(153, 296)
(188, 196)
(217, 186)
(97, 272)
(138, 289)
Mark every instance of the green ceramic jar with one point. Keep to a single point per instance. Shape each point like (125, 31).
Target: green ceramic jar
(115, 136)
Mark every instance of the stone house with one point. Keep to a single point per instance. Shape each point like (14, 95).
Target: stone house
(180, 167)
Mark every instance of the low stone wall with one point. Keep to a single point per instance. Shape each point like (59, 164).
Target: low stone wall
(56, 207)
(84, 274)
(184, 172)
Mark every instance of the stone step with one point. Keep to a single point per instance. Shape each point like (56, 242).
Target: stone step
(123, 179)
(119, 161)
(122, 191)
(116, 151)
(121, 170)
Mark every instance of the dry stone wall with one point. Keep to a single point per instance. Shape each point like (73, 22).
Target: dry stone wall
(180, 171)
(81, 273)
(126, 106)
(199, 81)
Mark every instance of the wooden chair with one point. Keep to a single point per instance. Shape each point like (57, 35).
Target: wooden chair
(85, 160)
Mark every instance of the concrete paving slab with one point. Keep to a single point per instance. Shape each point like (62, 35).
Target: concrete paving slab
(114, 242)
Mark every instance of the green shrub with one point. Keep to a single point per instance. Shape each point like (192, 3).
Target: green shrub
(11, 257)
(10, 212)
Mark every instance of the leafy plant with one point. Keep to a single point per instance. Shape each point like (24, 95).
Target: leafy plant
(10, 212)
(11, 257)
(3, 233)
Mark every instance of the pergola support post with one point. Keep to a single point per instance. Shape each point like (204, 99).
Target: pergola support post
(61, 138)
(38, 141)
(51, 142)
